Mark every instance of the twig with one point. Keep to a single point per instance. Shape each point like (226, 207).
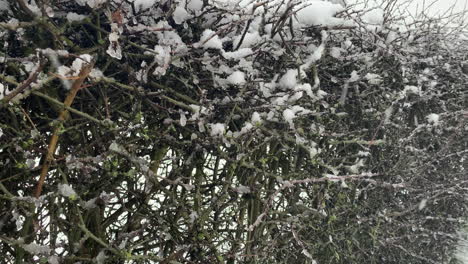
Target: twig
(32, 77)
(293, 183)
(71, 109)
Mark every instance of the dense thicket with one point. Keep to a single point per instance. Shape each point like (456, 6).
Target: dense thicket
(223, 132)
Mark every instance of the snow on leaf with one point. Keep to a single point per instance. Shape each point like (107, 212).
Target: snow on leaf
(183, 119)
(163, 59)
(74, 17)
(53, 260)
(67, 191)
(101, 257)
(96, 74)
(242, 189)
(256, 119)
(115, 50)
(193, 216)
(79, 62)
(36, 249)
(90, 204)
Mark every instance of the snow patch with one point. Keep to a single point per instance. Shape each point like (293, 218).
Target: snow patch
(433, 119)
(210, 39)
(180, 14)
(374, 17)
(320, 13)
(250, 39)
(289, 79)
(72, 17)
(36, 249)
(236, 78)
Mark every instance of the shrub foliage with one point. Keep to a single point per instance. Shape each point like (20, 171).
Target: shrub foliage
(223, 132)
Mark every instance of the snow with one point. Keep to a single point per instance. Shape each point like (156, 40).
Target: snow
(462, 249)
(72, 17)
(411, 89)
(318, 52)
(143, 4)
(180, 14)
(114, 50)
(90, 204)
(96, 74)
(242, 189)
(373, 78)
(236, 78)
(210, 39)
(363, 153)
(354, 77)
(335, 52)
(355, 168)
(422, 204)
(238, 54)
(53, 260)
(217, 130)
(250, 39)
(320, 13)
(91, 3)
(67, 191)
(193, 216)
(36, 249)
(374, 16)
(256, 119)
(113, 36)
(246, 128)
(79, 62)
(163, 59)
(433, 119)
(194, 5)
(101, 257)
(289, 79)
(289, 115)
(183, 119)
(2, 91)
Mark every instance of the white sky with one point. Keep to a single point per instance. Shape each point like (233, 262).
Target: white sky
(432, 7)
(438, 7)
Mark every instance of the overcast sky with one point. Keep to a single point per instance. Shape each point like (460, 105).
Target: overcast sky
(440, 6)
(434, 7)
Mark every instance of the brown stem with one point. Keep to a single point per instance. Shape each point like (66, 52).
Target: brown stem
(62, 117)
